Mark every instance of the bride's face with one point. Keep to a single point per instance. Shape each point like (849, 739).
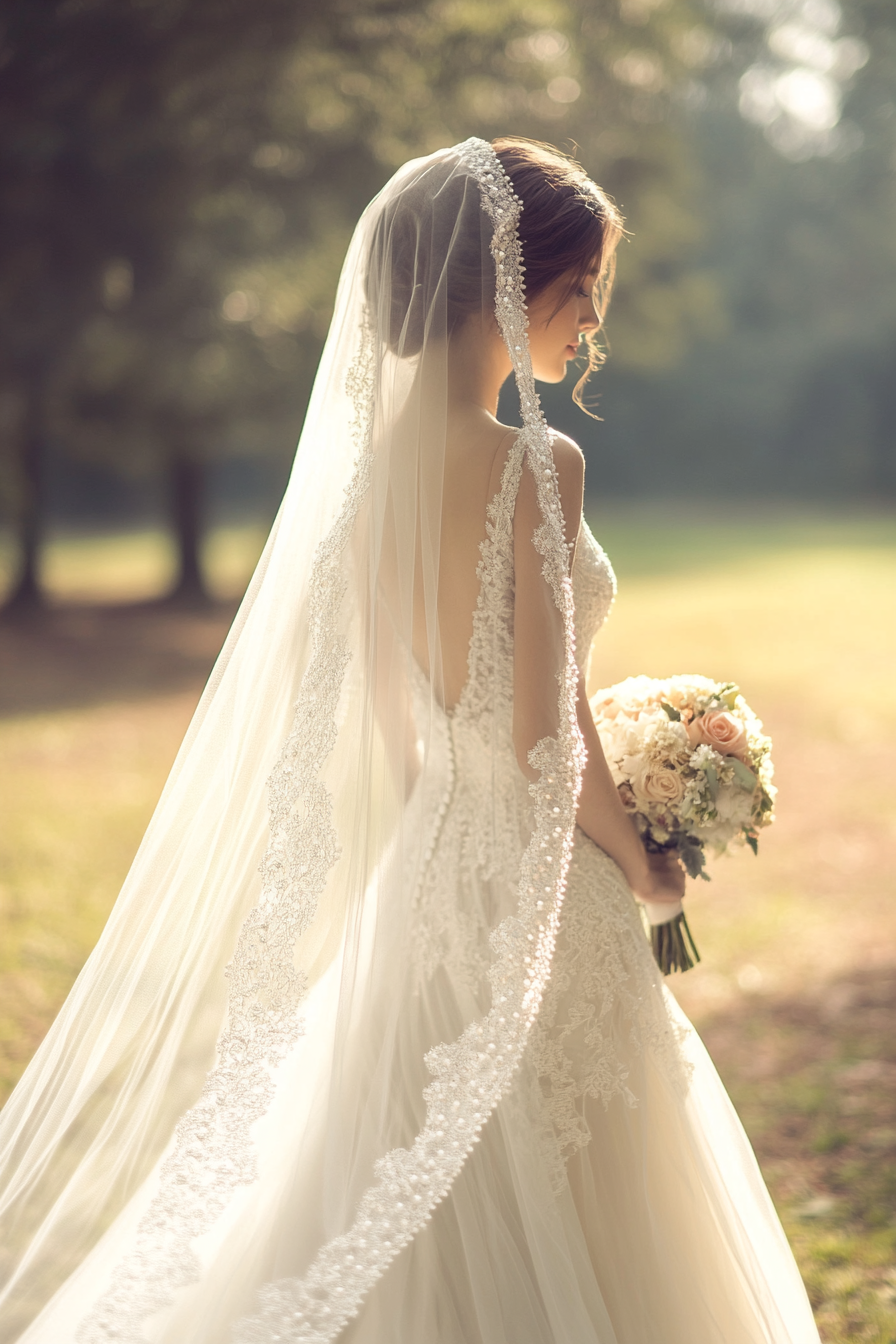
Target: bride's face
(555, 331)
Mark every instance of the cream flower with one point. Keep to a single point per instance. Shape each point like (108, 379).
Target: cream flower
(658, 785)
(734, 805)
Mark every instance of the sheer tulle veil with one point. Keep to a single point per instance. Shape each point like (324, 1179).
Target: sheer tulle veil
(242, 1090)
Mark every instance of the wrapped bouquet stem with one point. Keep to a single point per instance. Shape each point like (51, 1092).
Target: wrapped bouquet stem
(693, 768)
(670, 936)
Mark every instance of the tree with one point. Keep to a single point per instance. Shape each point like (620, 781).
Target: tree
(109, 111)
(793, 393)
(183, 176)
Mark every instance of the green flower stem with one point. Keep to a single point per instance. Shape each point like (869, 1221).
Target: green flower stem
(673, 945)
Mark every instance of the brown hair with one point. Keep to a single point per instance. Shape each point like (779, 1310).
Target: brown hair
(430, 264)
(568, 227)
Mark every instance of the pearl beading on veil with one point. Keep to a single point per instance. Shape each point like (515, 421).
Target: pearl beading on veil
(212, 1153)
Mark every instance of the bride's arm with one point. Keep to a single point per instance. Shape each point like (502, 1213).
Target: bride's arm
(538, 639)
(652, 877)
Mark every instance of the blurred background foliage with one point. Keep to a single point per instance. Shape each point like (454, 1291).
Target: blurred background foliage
(181, 177)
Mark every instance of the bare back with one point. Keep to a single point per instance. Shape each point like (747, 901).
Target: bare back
(475, 453)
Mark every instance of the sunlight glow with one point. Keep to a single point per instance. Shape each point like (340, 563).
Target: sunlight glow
(797, 92)
(809, 97)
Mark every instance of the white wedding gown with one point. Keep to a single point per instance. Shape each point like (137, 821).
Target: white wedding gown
(613, 1197)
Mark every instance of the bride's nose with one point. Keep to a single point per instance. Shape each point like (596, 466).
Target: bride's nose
(589, 317)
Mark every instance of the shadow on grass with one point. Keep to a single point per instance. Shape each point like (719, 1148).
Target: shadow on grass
(71, 657)
(814, 1079)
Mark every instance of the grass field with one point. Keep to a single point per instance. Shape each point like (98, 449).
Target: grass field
(796, 994)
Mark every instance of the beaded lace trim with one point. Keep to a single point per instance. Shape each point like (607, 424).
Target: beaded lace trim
(472, 1073)
(212, 1152)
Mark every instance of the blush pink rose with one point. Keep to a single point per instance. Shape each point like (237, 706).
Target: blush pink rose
(660, 786)
(720, 730)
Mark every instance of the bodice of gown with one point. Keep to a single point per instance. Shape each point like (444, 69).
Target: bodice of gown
(594, 589)
(482, 722)
(473, 832)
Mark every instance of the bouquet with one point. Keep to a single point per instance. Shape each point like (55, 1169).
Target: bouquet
(693, 768)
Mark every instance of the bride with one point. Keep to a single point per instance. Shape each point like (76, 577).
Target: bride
(373, 1047)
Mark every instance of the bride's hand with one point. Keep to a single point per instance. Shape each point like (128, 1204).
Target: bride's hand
(664, 881)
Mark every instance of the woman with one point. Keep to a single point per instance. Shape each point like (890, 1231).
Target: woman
(388, 1059)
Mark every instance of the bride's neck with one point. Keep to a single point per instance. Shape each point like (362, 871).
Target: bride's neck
(478, 364)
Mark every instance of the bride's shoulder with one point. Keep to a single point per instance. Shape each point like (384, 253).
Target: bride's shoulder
(568, 456)
(569, 463)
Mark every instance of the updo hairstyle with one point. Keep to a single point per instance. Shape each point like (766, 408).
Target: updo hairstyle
(430, 262)
(568, 227)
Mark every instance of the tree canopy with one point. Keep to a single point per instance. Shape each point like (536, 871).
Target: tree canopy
(181, 178)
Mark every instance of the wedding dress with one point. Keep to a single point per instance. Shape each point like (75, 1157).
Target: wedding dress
(418, 1080)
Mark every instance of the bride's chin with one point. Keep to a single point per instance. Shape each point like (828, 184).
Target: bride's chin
(549, 374)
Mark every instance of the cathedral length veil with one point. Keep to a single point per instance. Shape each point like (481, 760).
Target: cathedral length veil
(231, 1119)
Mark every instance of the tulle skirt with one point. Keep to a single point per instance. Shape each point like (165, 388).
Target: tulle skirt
(613, 1197)
(657, 1228)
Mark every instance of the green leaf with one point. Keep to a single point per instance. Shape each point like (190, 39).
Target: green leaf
(753, 842)
(671, 711)
(712, 780)
(693, 857)
(743, 774)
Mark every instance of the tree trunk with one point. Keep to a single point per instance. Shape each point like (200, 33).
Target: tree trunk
(186, 482)
(26, 595)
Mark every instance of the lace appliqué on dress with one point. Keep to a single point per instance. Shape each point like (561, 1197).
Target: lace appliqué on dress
(473, 830)
(606, 1001)
(594, 591)
(606, 998)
